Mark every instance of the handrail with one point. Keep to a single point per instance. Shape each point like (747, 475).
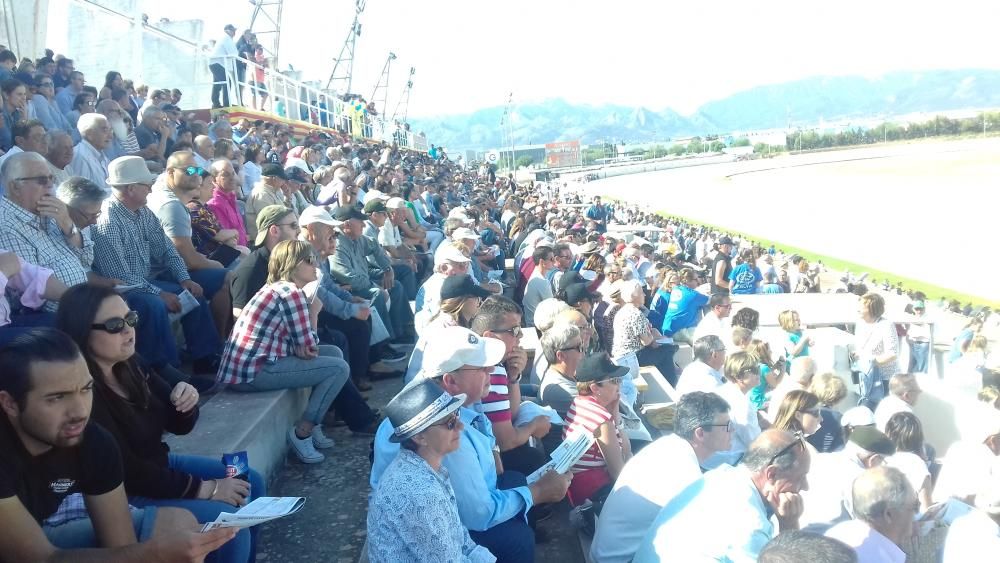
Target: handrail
(292, 99)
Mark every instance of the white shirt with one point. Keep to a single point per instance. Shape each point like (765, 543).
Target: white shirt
(743, 414)
(831, 482)
(388, 235)
(888, 407)
(431, 300)
(871, 546)
(699, 376)
(90, 163)
(224, 47)
(536, 291)
(913, 467)
(649, 480)
(968, 469)
(710, 324)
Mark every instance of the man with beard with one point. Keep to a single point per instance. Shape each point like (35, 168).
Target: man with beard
(123, 141)
(51, 453)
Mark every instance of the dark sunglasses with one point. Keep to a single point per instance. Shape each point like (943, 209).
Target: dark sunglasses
(117, 324)
(799, 441)
(450, 423)
(514, 330)
(193, 170)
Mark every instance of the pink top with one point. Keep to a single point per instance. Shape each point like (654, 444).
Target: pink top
(30, 281)
(223, 204)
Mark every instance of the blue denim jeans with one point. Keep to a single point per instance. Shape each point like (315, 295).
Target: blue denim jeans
(22, 323)
(326, 374)
(511, 541)
(80, 534)
(919, 354)
(154, 339)
(240, 549)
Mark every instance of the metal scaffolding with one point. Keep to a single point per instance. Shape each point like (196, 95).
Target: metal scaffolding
(266, 24)
(343, 67)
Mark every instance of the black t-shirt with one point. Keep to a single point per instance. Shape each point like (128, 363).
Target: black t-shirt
(41, 483)
(249, 277)
(721, 257)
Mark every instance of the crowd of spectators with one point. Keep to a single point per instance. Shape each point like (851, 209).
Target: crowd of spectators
(293, 262)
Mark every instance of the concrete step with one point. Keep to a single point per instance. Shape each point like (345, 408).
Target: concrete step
(255, 422)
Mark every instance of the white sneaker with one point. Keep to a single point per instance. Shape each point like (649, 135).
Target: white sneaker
(321, 441)
(303, 448)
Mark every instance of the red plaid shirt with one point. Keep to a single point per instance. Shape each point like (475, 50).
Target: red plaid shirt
(274, 321)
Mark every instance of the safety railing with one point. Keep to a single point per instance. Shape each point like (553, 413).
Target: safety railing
(285, 97)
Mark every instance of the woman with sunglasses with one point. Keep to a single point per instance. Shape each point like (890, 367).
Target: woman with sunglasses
(799, 412)
(595, 411)
(274, 346)
(137, 407)
(742, 372)
(413, 515)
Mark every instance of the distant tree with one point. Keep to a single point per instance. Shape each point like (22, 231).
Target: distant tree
(524, 161)
(743, 142)
(677, 150)
(717, 146)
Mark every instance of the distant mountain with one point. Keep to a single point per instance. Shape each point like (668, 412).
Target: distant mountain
(805, 101)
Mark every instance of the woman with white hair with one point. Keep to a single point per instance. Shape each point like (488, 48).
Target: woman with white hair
(635, 341)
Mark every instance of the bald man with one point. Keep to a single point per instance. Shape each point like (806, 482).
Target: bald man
(735, 503)
(884, 508)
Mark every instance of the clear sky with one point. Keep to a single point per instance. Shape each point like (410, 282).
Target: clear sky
(469, 54)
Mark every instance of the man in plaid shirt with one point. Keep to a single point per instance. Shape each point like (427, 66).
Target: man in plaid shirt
(131, 246)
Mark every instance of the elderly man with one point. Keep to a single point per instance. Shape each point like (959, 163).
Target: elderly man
(204, 151)
(735, 503)
(904, 390)
(448, 261)
(59, 155)
(884, 508)
(563, 347)
(382, 228)
(37, 226)
(168, 201)
(658, 473)
(342, 312)
(89, 160)
(29, 136)
(705, 372)
(362, 264)
(492, 501)
(797, 546)
(153, 133)
(123, 140)
(133, 247)
(270, 191)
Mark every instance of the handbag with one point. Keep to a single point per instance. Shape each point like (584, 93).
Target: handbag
(224, 255)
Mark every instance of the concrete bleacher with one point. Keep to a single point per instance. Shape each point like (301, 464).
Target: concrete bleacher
(256, 423)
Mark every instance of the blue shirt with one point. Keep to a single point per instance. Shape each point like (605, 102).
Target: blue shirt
(745, 279)
(473, 473)
(720, 517)
(658, 308)
(682, 312)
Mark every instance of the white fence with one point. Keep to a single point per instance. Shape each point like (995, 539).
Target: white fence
(288, 98)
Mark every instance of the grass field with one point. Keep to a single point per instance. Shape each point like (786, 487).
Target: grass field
(923, 214)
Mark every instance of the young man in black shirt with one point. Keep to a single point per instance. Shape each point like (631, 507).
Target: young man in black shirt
(49, 451)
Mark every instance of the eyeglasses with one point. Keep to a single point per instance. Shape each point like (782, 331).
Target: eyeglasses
(117, 324)
(43, 180)
(192, 170)
(728, 426)
(799, 441)
(612, 381)
(578, 348)
(293, 225)
(514, 330)
(450, 423)
(85, 215)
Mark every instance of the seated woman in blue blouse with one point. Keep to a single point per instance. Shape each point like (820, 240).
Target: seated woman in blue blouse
(684, 310)
(413, 516)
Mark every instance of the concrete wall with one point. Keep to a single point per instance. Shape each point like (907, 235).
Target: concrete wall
(99, 41)
(23, 28)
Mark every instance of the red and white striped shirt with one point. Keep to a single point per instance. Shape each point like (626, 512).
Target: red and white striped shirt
(272, 324)
(496, 404)
(587, 415)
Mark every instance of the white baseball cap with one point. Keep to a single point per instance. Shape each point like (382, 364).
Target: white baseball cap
(464, 233)
(858, 416)
(455, 346)
(450, 254)
(316, 214)
(395, 203)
